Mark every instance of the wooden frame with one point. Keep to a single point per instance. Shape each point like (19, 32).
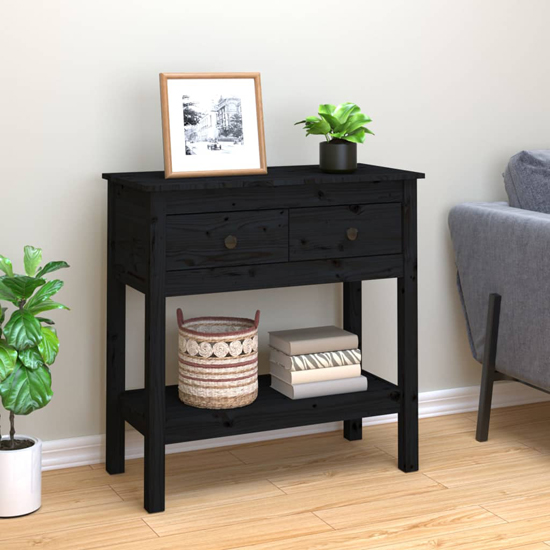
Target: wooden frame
(167, 139)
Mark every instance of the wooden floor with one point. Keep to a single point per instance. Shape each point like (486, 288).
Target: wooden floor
(317, 492)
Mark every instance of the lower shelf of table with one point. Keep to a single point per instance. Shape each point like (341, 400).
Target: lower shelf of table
(270, 411)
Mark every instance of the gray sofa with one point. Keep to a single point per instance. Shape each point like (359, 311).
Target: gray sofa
(502, 254)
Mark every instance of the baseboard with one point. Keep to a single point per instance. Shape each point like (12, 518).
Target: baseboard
(80, 451)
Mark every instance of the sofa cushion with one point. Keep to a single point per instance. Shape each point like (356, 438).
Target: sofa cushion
(527, 180)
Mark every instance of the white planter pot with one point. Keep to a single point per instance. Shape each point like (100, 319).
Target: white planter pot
(21, 479)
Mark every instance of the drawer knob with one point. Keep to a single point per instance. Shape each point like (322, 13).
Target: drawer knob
(230, 242)
(352, 233)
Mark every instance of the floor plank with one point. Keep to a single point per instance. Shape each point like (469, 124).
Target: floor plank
(376, 461)
(85, 538)
(233, 536)
(389, 533)
(535, 546)
(67, 500)
(506, 536)
(385, 509)
(487, 473)
(187, 520)
(522, 507)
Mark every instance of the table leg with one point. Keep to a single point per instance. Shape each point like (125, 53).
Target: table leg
(353, 429)
(155, 334)
(407, 337)
(116, 344)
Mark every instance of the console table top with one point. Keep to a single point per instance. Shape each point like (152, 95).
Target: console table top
(276, 176)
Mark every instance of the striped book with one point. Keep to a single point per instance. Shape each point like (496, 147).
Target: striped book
(313, 375)
(316, 360)
(319, 389)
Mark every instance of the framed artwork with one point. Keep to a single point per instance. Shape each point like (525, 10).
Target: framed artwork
(212, 124)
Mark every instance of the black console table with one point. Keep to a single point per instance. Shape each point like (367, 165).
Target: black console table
(292, 226)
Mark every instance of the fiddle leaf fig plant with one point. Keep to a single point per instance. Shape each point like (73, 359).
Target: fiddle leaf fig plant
(345, 121)
(27, 347)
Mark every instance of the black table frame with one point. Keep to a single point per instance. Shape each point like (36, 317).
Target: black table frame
(138, 207)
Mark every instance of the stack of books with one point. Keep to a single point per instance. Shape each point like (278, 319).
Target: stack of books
(313, 362)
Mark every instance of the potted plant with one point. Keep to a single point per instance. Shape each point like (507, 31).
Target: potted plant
(28, 347)
(343, 127)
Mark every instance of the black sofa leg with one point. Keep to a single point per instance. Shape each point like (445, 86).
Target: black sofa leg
(488, 372)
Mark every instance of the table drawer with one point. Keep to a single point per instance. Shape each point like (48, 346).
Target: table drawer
(226, 239)
(344, 231)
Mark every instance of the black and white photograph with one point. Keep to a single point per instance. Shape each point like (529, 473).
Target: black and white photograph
(214, 126)
(212, 123)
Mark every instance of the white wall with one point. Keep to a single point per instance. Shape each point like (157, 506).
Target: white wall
(454, 89)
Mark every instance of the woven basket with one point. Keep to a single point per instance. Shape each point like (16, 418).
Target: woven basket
(218, 361)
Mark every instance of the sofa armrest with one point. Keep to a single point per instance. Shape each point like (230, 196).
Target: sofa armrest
(506, 250)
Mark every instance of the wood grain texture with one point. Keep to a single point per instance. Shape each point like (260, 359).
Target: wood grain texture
(79, 498)
(344, 228)
(283, 474)
(232, 536)
(321, 233)
(154, 410)
(230, 513)
(317, 492)
(198, 240)
(277, 176)
(352, 302)
(225, 279)
(115, 341)
(390, 533)
(271, 411)
(84, 538)
(228, 198)
(130, 234)
(407, 335)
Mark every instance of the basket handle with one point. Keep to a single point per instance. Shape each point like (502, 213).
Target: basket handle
(179, 314)
(257, 318)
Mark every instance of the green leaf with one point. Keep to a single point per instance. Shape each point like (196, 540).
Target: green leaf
(345, 110)
(319, 128)
(356, 137)
(8, 359)
(2, 317)
(307, 120)
(26, 390)
(31, 358)
(32, 258)
(354, 122)
(6, 293)
(6, 266)
(45, 320)
(46, 305)
(47, 291)
(51, 266)
(23, 330)
(332, 120)
(327, 109)
(22, 286)
(49, 345)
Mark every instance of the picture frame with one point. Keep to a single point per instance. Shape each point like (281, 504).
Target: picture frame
(212, 124)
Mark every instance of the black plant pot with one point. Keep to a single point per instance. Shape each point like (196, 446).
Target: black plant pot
(338, 156)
